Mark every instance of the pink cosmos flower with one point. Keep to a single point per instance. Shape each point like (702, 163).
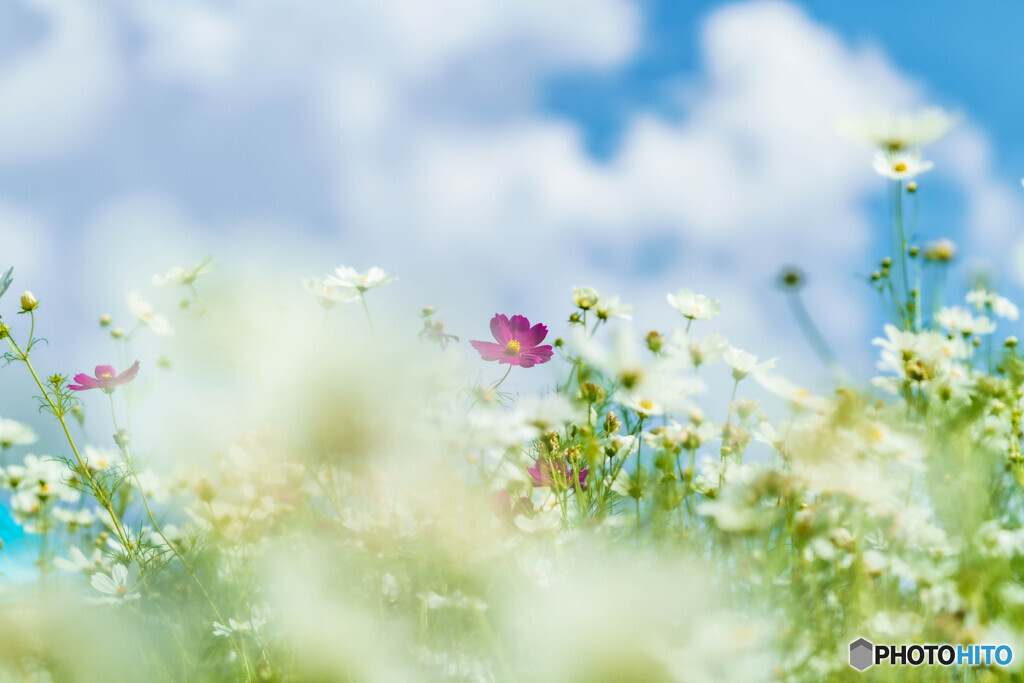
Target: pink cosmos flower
(544, 473)
(106, 378)
(518, 343)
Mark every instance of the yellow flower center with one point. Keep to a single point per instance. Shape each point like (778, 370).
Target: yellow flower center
(106, 374)
(646, 403)
(122, 590)
(512, 348)
(899, 167)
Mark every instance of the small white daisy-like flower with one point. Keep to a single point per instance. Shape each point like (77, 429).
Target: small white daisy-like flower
(585, 297)
(14, 433)
(743, 363)
(327, 295)
(78, 562)
(252, 625)
(900, 165)
(350, 278)
(694, 306)
(986, 300)
(642, 405)
(610, 307)
(957, 319)
(185, 276)
(144, 312)
(899, 131)
(119, 587)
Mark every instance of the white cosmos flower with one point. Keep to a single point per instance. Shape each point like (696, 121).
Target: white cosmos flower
(14, 433)
(610, 307)
(585, 297)
(643, 406)
(78, 562)
(252, 625)
(120, 586)
(957, 319)
(797, 395)
(986, 300)
(75, 518)
(694, 306)
(900, 165)
(743, 363)
(144, 312)
(327, 295)
(350, 278)
(899, 131)
(700, 350)
(185, 276)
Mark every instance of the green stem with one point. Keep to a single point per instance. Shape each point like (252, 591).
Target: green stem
(101, 497)
(369, 320)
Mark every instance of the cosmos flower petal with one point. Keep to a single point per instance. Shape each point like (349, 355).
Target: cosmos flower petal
(105, 371)
(500, 328)
(520, 327)
(535, 335)
(489, 350)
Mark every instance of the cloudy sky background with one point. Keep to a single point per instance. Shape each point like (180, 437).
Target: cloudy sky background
(493, 154)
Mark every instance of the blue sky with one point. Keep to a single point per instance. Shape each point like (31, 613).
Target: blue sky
(493, 154)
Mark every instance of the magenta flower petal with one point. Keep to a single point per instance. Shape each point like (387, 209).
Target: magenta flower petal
(105, 371)
(129, 374)
(86, 381)
(500, 328)
(534, 336)
(516, 342)
(489, 350)
(106, 378)
(519, 326)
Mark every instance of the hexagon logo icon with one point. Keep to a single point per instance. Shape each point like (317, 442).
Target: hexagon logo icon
(862, 654)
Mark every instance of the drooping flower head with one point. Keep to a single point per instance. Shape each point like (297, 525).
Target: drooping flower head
(895, 132)
(518, 343)
(106, 378)
(185, 276)
(347, 277)
(144, 312)
(327, 295)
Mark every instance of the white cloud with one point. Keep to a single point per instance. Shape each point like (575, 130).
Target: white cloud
(446, 169)
(57, 93)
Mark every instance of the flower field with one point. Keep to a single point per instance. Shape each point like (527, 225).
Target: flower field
(668, 507)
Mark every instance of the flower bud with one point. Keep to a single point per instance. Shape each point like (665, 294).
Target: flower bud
(1011, 342)
(942, 251)
(876, 276)
(886, 262)
(5, 331)
(559, 342)
(585, 297)
(655, 341)
(611, 423)
(592, 393)
(912, 187)
(122, 439)
(427, 311)
(791, 278)
(914, 251)
(105, 320)
(117, 333)
(29, 302)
